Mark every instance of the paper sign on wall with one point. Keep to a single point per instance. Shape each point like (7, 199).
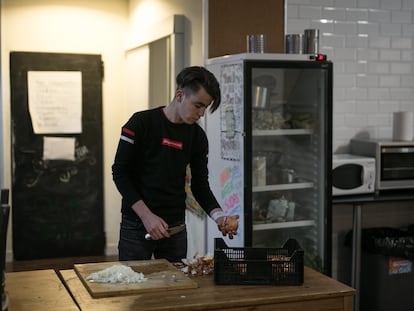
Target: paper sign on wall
(55, 101)
(59, 148)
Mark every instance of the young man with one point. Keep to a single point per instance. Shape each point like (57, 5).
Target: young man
(149, 170)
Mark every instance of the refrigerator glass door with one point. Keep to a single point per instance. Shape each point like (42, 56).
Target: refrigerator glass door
(286, 114)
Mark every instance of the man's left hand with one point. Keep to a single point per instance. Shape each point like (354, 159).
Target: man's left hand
(228, 225)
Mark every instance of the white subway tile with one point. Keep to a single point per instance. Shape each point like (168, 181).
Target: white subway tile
(378, 93)
(367, 106)
(322, 2)
(365, 81)
(333, 40)
(385, 132)
(408, 30)
(310, 12)
(390, 29)
(356, 14)
(345, 4)
(407, 81)
(327, 50)
(345, 54)
(324, 27)
(297, 25)
(336, 14)
(386, 106)
(408, 4)
(345, 27)
(345, 80)
(300, 2)
(378, 67)
(373, 4)
(381, 16)
(407, 105)
(401, 43)
(338, 119)
(380, 118)
(368, 28)
(389, 81)
(356, 93)
(371, 121)
(390, 55)
(342, 134)
(338, 92)
(407, 56)
(401, 68)
(401, 17)
(380, 42)
(292, 11)
(355, 120)
(401, 93)
(355, 67)
(344, 106)
(367, 54)
(391, 4)
(356, 41)
(367, 131)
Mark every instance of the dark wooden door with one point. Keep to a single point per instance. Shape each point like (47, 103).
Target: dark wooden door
(57, 203)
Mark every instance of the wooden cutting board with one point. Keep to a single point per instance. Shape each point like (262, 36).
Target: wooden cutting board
(160, 274)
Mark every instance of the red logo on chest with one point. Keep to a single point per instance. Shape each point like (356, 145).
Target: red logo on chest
(172, 143)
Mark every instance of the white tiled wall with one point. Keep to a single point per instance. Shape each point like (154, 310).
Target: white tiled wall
(370, 43)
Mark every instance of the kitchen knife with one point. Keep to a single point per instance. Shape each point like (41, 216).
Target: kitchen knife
(171, 231)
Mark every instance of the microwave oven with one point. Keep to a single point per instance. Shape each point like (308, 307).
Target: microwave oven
(352, 174)
(394, 161)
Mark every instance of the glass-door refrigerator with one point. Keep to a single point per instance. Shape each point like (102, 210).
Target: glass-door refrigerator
(270, 151)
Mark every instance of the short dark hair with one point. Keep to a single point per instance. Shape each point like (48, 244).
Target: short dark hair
(194, 77)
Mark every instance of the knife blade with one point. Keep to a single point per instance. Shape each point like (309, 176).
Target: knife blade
(171, 231)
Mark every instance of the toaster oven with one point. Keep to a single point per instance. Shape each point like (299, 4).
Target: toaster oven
(394, 161)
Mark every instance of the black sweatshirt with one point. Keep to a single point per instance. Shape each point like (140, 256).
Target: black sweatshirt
(150, 164)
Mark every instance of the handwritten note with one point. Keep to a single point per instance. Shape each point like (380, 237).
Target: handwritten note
(55, 101)
(59, 148)
(231, 77)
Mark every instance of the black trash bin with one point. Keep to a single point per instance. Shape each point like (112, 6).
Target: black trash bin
(387, 275)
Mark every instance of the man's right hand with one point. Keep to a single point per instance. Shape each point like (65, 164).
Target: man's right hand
(155, 225)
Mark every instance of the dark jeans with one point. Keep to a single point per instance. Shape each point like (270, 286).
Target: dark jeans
(133, 245)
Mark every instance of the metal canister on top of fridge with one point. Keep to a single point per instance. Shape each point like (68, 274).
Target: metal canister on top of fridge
(311, 39)
(294, 44)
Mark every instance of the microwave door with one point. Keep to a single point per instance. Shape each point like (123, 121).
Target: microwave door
(348, 176)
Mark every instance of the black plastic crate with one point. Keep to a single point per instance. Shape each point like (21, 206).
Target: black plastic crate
(258, 266)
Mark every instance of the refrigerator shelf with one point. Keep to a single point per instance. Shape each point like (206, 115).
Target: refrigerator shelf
(291, 186)
(282, 132)
(283, 225)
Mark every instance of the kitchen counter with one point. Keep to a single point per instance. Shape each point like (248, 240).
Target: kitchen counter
(37, 290)
(319, 292)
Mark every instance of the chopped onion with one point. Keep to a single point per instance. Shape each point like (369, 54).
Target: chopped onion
(117, 274)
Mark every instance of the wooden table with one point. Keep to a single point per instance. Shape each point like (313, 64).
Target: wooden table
(37, 290)
(318, 292)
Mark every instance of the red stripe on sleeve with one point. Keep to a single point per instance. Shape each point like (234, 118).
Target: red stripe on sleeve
(128, 131)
